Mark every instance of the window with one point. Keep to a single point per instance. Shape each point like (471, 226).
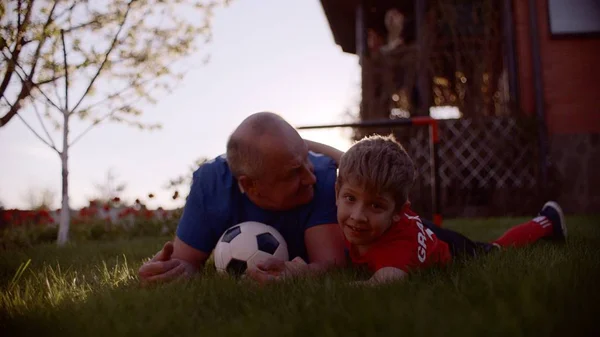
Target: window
(568, 17)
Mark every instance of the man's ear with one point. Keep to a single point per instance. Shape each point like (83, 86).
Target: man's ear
(246, 184)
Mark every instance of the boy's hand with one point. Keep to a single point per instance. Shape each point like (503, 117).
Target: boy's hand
(275, 269)
(295, 267)
(383, 276)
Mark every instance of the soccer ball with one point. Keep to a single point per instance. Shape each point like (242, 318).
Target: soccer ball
(245, 245)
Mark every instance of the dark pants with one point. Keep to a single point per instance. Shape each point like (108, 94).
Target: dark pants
(459, 244)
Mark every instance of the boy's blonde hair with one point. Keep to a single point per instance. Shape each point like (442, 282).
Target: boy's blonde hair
(380, 165)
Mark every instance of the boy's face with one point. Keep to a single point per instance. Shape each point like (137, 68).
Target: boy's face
(364, 216)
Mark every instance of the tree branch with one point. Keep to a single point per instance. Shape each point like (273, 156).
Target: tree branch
(106, 56)
(67, 10)
(37, 134)
(119, 93)
(27, 84)
(46, 97)
(85, 24)
(95, 123)
(62, 37)
(12, 60)
(103, 118)
(19, 3)
(36, 55)
(33, 85)
(14, 108)
(52, 79)
(55, 85)
(37, 112)
(7, 102)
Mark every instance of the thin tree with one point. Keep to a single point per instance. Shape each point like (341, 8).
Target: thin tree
(94, 62)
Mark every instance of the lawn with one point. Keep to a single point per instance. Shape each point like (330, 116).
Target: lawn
(91, 289)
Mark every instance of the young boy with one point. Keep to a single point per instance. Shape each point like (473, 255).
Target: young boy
(383, 233)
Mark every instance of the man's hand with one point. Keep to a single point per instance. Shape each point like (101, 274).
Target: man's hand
(162, 267)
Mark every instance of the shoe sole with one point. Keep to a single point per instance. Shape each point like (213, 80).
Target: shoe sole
(556, 207)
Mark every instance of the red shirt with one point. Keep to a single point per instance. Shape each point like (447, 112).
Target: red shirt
(406, 245)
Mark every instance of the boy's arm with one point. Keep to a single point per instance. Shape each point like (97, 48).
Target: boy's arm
(327, 150)
(384, 275)
(325, 245)
(274, 269)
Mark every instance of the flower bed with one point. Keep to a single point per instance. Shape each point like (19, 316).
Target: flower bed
(97, 221)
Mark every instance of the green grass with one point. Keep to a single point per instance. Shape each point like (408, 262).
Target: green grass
(92, 290)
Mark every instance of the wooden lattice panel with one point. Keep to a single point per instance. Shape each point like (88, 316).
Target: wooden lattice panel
(495, 152)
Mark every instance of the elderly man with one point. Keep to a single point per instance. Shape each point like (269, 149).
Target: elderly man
(268, 175)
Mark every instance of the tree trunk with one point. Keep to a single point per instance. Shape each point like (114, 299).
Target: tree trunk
(65, 214)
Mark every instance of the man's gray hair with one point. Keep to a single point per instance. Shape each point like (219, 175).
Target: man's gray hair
(244, 157)
(244, 154)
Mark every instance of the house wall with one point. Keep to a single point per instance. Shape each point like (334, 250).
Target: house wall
(570, 74)
(570, 80)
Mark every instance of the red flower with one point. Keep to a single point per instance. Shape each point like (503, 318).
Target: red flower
(6, 216)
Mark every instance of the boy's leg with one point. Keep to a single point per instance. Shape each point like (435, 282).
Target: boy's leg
(550, 223)
(459, 244)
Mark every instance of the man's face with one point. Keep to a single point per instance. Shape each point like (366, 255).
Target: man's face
(288, 180)
(363, 216)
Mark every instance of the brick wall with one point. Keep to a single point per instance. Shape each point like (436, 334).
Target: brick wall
(570, 73)
(571, 83)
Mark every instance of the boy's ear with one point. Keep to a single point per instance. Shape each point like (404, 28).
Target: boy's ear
(337, 190)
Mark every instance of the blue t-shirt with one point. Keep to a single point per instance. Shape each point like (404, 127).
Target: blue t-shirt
(215, 203)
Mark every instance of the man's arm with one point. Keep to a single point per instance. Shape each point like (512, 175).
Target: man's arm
(183, 251)
(176, 259)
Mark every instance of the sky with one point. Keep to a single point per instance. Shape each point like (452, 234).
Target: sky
(267, 55)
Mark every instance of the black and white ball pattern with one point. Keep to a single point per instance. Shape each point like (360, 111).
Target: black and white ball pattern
(247, 244)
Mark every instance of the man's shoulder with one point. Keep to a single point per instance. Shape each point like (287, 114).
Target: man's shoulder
(325, 168)
(213, 168)
(321, 161)
(213, 177)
